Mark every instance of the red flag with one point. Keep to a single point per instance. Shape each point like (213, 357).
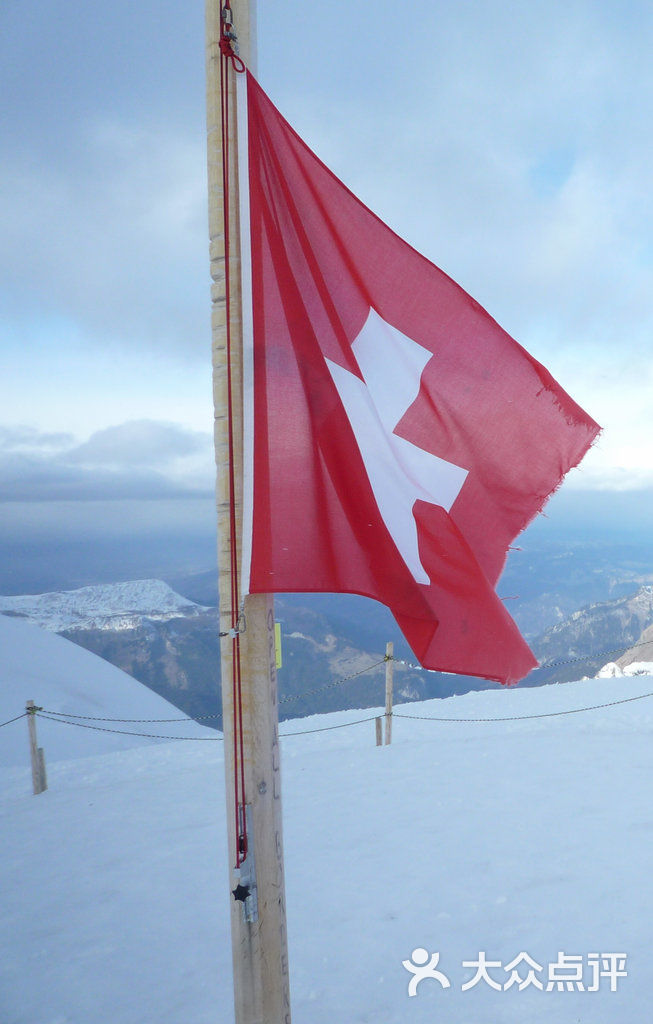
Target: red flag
(396, 438)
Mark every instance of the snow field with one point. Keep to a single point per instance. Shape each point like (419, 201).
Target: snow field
(530, 836)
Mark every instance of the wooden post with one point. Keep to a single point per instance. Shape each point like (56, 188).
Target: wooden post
(258, 935)
(379, 735)
(389, 673)
(42, 772)
(36, 753)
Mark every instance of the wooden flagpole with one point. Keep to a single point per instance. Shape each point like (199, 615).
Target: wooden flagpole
(258, 918)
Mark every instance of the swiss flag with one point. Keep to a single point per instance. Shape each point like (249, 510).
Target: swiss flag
(396, 438)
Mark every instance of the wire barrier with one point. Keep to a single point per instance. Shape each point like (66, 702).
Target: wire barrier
(524, 718)
(130, 732)
(133, 721)
(199, 739)
(337, 682)
(329, 728)
(16, 719)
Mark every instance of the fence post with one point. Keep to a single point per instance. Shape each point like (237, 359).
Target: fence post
(389, 670)
(378, 727)
(44, 778)
(36, 753)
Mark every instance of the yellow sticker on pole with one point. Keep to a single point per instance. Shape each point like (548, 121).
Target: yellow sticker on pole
(277, 643)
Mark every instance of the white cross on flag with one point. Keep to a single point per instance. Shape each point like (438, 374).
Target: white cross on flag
(396, 438)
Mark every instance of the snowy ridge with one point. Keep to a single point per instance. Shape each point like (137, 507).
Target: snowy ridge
(106, 606)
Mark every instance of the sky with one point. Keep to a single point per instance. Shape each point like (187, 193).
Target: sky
(510, 143)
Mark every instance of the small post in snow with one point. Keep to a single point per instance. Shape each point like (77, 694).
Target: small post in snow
(44, 778)
(389, 669)
(379, 733)
(39, 783)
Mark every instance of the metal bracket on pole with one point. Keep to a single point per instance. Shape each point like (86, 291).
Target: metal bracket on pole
(245, 875)
(235, 631)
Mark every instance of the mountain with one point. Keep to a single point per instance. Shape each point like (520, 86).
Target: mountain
(642, 651)
(113, 606)
(545, 584)
(512, 837)
(582, 643)
(60, 676)
(332, 644)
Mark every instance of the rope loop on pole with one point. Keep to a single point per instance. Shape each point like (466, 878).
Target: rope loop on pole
(229, 39)
(227, 50)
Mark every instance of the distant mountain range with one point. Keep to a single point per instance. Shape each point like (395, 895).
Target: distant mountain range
(164, 640)
(332, 645)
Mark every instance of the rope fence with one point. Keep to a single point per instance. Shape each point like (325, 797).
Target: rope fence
(191, 739)
(16, 719)
(524, 718)
(64, 719)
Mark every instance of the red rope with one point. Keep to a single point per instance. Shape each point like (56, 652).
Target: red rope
(226, 36)
(229, 57)
(227, 50)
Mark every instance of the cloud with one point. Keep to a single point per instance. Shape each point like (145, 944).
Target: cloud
(41, 479)
(138, 460)
(103, 171)
(464, 128)
(115, 240)
(26, 438)
(510, 144)
(140, 443)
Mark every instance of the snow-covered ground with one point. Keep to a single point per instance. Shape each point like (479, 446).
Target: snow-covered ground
(510, 837)
(59, 676)
(105, 606)
(636, 668)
